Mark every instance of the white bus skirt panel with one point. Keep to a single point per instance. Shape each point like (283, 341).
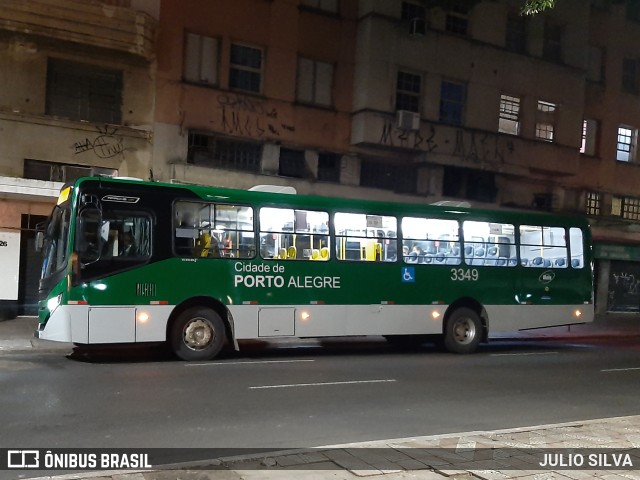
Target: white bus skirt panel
(86, 324)
(511, 318)
(256, 321)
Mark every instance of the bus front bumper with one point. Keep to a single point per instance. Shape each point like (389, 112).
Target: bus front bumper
(57, 328)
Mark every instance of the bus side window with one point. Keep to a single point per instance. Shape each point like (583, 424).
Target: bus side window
(185, 233)
(543, 246)
(431, 241)
(576, 245)
(289, 234)
(365, 238)
(490, 244)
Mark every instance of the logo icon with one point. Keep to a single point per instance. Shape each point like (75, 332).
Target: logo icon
(408, 274)
(546, 277)
(23, 459)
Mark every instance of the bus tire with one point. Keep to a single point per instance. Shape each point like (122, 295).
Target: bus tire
(197, 334)
(463, 331)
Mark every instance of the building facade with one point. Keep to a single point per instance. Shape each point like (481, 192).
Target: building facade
(76, 99)
(256, 92)
(407, 100)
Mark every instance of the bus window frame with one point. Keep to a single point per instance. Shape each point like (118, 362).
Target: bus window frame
(198, 204)
(370, 213)
(285, 255)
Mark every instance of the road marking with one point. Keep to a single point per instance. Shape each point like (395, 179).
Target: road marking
(521, 354)
(351, 382)
(244, 363)
(620, 369)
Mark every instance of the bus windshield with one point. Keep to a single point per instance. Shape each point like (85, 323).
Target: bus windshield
(55, 242)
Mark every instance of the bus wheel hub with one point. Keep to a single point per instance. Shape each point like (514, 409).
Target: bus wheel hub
(198, 334)
(464, 331)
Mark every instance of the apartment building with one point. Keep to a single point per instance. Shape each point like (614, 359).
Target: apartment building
(76, 99)
(385, 99)
(256, 92)
(475, 101)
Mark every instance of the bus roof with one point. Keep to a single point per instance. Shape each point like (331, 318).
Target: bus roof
(261, 197)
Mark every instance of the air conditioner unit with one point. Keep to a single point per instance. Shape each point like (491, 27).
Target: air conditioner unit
(406, 120)
(417, 27)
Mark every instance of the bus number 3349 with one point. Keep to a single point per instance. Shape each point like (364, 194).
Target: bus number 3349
(464, 275)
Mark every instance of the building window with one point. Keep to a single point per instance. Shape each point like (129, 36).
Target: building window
(633, 11)
(469, 184)
(509, 121)
(552, 42)
(411, 11)
(61, 172)
(408, 87)
(330, 6)
(452, 100)
(626, 145)
(630, 75)
(631, 208)
(292, 163)
(626, 207)
(545, 121)
(329, 166)
(516, 37)
(245, 72)
(200, 59)
(593, 203)
(457, 19)
(596, 71)
(397, 178)
(83, 92)
(315, 82)
(212, 151)
(544, 131)
(589, 137)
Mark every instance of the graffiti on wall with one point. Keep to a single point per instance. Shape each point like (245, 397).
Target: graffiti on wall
(106, 144)
(624, 287)
(250, 117)
(479, 147)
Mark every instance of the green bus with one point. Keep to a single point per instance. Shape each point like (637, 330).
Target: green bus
(130, 261)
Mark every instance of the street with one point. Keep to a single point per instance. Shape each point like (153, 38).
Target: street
(308, 393)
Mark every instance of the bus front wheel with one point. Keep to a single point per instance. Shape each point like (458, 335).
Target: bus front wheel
(463, 331)
(197, 334)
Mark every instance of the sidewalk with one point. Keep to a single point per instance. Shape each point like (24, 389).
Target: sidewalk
(606, 449)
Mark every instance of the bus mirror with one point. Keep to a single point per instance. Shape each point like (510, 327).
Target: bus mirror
(39, 241)
(40, 229)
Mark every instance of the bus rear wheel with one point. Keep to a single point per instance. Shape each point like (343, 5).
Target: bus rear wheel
(463, 331)
(197, 334)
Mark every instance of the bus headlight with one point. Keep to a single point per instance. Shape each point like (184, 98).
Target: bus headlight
(53, 303)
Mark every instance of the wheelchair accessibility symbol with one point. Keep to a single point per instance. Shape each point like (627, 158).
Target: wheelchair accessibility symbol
(408, 274)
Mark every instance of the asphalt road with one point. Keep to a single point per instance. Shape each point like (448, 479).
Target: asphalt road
(307, 393)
